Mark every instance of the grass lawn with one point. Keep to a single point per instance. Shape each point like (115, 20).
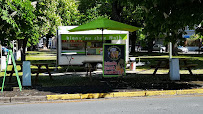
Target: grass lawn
(143, 75)
(154, 57)
(149, 59)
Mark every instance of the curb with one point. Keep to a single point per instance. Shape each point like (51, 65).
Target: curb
(124, 94)
(5, 99)
(22, 99)
(99, 95)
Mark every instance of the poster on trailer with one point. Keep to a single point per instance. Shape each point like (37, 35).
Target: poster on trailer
(114, 60)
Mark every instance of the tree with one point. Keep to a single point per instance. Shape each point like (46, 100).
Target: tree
(169, 18)
(27, 21)
(18, 22)
(90, 10)
(7, 23)
(54, 13)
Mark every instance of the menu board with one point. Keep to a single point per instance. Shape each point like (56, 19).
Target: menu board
(114, 60)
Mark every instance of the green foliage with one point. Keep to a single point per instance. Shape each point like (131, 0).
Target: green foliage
(171, 17)
(90, 10)
(124, 11)
(17, 20)
(21, 19)
(141, 38)
(30, 20)
(54, 13)
(119, 10)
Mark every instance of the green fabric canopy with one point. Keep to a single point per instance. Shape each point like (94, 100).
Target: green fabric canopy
(103, 23)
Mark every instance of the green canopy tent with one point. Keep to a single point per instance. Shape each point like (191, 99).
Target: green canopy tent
(103, 23)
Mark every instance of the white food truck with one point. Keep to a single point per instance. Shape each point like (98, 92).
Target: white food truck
(76, 47)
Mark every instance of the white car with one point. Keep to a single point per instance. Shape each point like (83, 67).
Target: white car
(159, 47)
(182, 49)
(137, 48)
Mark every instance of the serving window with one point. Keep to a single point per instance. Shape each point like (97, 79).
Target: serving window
(83, 47)
(69, 46)
(94, 47)
(73, 45)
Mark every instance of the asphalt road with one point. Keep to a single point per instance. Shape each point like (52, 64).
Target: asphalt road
(163, 104)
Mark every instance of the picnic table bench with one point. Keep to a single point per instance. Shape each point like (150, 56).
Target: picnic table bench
(164, 63)
(33, 71)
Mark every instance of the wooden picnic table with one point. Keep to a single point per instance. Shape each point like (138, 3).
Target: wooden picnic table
(39, 70)
(164, 63)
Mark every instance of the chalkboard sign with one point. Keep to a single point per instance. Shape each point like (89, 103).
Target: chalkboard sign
(114, 60)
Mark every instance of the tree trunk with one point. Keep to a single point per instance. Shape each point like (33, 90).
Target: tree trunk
(47, 42)
(174, 49)
(116, 10)
(175, 45)
(23, 44)
(133, 39)
(150, 45)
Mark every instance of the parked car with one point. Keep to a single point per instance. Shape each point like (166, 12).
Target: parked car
(199, 49)
(182, 49)
(4, 51)
(137, 48)
(159, 47)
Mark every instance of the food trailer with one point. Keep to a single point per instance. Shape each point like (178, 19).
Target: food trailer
(76, 47)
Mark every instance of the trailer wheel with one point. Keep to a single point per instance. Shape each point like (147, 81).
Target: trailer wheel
(98, 66)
